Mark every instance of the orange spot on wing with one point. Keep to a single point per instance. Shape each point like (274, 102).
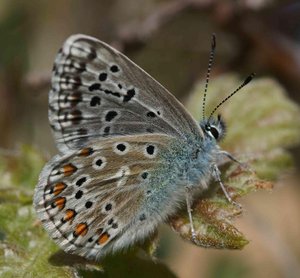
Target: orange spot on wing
(60, 202)
(81, 229)
(86, 152)
(69, 216)
(58, 188)
(103, 238)
(69, 169)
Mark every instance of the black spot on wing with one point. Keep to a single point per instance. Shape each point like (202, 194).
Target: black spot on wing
(102, 76)
(145, 175)
(97, 87)
(106, 130)
(142, 217)
(114, 68)
(78, 194)
(151, 114)
(95, 101)
(150, 149)
(110, 115)
(94, 87)
(81, 181)
(130, 94)
(88, 204)
(99, 162)
(121, 147)
(109, 92)
(108, 207)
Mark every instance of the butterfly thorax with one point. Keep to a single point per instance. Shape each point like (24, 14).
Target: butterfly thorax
(189, 162)
(196, 156)
(199, 168)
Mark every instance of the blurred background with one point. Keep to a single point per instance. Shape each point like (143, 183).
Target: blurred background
(171, 41)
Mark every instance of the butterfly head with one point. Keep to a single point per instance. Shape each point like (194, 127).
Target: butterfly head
(213, 128)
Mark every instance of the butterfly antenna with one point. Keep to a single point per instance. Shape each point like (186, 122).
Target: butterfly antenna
(247, 80)
(210, 62)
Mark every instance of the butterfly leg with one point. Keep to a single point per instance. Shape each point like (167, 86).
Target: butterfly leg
(189, 211)
(217, 177)
(231, 157)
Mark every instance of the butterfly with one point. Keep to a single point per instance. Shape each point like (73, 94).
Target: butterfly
(130, 154)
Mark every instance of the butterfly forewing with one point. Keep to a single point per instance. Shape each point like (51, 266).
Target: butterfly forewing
(91, 201)
(98, 92)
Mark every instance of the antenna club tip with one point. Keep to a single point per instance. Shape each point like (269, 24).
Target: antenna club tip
(213, 41)
(249, 78)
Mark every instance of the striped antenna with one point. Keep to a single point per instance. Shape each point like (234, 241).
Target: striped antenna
(210, 62)
(247, 80)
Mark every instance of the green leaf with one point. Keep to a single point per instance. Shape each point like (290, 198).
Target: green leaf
(262, 122)
(24, 246)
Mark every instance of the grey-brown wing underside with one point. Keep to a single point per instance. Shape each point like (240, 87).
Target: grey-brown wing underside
(91, 201)
(98, 92)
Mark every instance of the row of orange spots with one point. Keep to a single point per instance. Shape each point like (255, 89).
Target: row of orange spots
(69, 215)
(58, 188)
(81, 229)
(60, 202)
(86, 152)
(103, 238)
(69, 169)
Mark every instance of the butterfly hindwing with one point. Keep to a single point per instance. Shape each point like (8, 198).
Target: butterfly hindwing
(98, 92)
(91, 201)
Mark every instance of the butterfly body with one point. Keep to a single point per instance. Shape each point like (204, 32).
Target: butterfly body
(129, 151)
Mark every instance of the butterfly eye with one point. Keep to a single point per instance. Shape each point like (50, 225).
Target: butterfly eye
(214, 132)
(207, 127)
